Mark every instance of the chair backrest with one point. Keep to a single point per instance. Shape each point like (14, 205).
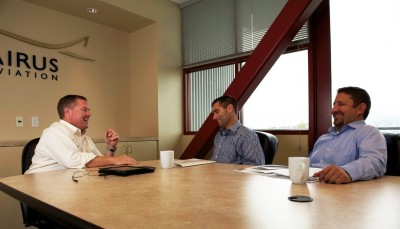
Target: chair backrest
(27, 154)
(269, 144)
(29, 216)
(393, 150)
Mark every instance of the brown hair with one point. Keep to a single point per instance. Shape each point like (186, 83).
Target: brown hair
(358, 95)
(67, 101)
(225, 100)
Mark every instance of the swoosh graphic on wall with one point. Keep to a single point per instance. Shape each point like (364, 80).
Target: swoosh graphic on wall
(51, 46)
(68, 53)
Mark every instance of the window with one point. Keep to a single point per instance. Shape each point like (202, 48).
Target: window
(227, 31)
(365, 52)
(215, 30)
(280, 102)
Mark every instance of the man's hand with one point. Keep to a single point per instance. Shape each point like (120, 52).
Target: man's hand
(334, 175)
(124, 160)
(107, 160)
(111, 138)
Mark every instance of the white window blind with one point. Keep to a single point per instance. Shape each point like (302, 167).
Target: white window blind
(220, 29)
(205, 86)
(208, 30)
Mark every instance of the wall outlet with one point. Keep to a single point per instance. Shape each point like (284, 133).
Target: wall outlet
(19, 121)
(35, 121)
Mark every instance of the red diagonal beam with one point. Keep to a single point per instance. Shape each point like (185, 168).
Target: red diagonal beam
(274, 43)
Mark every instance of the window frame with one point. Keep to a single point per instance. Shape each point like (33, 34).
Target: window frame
(237, 62)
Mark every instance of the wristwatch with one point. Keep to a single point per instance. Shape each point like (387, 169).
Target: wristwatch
(112, 149)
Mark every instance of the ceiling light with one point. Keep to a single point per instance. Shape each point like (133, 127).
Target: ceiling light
(91, 10)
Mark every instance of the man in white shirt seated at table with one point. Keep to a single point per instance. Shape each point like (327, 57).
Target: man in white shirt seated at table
(351, 150)
(65, 144)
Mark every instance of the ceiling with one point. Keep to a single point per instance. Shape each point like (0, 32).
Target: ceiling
(107, 14)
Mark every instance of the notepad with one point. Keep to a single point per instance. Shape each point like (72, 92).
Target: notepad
(192, 162)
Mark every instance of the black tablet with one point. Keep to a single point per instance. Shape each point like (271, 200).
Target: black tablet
(126, 170)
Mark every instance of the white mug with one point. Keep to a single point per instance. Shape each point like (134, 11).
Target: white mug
(167, 158)
(299, 168)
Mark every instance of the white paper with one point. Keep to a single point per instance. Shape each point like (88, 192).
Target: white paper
(192, 162)
(278, 171)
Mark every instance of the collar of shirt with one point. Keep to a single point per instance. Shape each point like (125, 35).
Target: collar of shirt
(73, 128)
(232, 129)
(353, 125)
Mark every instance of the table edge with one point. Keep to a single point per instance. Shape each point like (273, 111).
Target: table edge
(62, 217)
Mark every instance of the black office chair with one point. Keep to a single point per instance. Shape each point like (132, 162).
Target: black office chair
(31, 217)
(269, 144)
(27, 154)
(393, 150)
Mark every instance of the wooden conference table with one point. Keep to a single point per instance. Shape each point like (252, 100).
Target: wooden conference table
(206, 196)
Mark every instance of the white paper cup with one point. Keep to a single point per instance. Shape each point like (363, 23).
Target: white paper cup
(299, 168)
(167, 158)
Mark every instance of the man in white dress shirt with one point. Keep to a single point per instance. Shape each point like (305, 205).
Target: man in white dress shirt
(65, 144)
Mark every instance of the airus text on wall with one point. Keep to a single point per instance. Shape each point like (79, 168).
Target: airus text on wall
(22, 65)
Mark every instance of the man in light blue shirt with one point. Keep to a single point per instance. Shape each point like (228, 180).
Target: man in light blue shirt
(234, 143)
(351, 150)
